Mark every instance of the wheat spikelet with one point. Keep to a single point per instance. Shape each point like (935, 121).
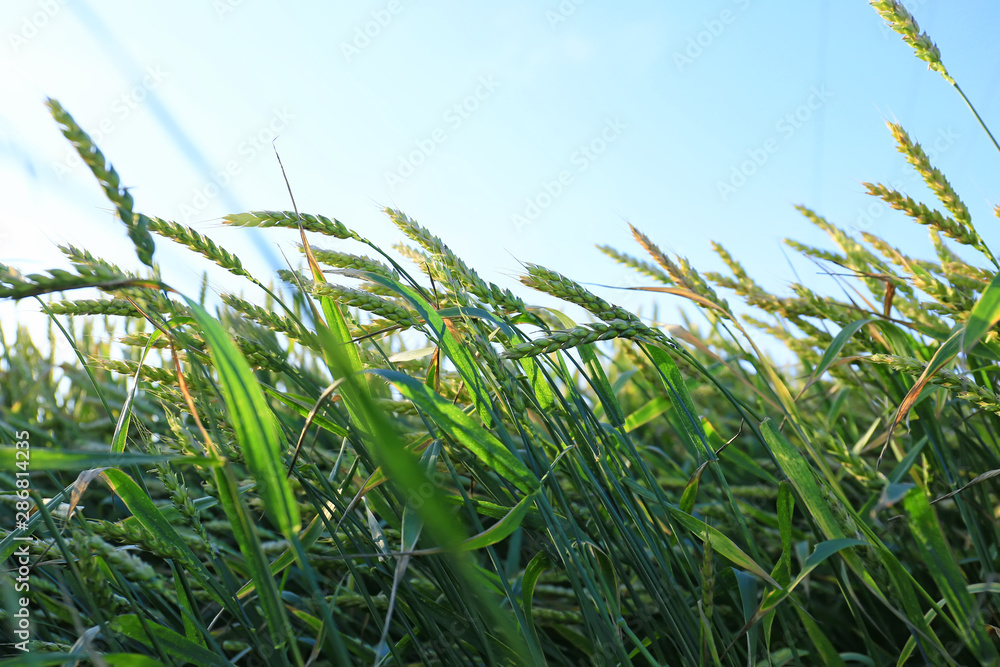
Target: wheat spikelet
(85, 261)
(959, 385)
(149, 373)
(654, 251)
(938, 184)
(902, 22)
(200, 244)
(367, 302)
(581, 335)
(119, 307)
(559, 286)
(454, 267)
(273, 321)
(311, 223)
(682, 273)
(344, 260)
(358, 299)
(923, 215)
(14, 285)
(730, 262)
(137, 224)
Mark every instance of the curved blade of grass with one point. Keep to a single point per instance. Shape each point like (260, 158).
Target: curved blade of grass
(532, 518)
(59, 459)
(833, 351)
(721, 544)
(539, 383)
(647, 413)
(125, 418)
(972, 589)
(945, 353)
(819, 555)
(950, 580)
(148, 514)
(978, 479)
(457, 353)
(827, 653)
(305, 410)
(679, 394)
(800, 474)
(150, 517)
(601, 385)
(46, 659)
(255, 425)
(984, 316)
(502, 529)
(536, 567)
(176, 644)
(747, 586)
(245, 533)
(464, 429)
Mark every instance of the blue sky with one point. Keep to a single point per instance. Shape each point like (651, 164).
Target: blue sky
(515, 131)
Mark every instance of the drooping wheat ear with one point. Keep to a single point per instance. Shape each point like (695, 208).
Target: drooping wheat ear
(815, 253)
(311, 223)
(119, 307)
(14, 285)
(367, 302)
(455, 267)
(581, 335)
(200, 244)
(902, 22)
(135, 534)
(561, 287)
(272, 320)
(550, 282)
(255, 353)
(355, 298)
(84, 261)
(738, 271)
(924, 215)
(654, 251)
(344, 260)
(137, 224)
(857, 257)
(149, 373)
(416, 256)
(961, 386)
(681, 272)
(932, 176)
(741, 283)
(127, 565)
(642, 267)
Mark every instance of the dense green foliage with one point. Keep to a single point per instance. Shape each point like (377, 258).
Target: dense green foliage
(287, 482)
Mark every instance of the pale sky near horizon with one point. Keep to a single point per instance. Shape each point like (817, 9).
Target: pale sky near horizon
(515, 131)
